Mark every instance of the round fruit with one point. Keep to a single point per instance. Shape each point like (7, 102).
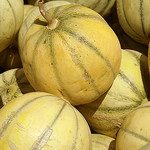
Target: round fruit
(11, 18)
(135, 130)
(76, 56)
(134, 18)
(129, 90)
(39, 120)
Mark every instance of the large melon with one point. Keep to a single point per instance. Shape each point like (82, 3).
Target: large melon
(134, 18)
(129, 90)
(77, 56)
(135, 130)
(41, 121)
(11, 17)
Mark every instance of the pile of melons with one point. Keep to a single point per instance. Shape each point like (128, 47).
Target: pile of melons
(74, 75)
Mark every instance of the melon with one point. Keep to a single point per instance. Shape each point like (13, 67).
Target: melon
(135, 130)
(39, 120)
(13, 83)
(102, 142)
(134, 18)
(129, 90)
(77, 56)
(11, 18)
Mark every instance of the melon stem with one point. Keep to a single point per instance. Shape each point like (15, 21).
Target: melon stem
(4, 97)
(52, 23)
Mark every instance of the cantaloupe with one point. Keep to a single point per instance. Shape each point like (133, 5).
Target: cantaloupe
(76, 56)
(41, 121)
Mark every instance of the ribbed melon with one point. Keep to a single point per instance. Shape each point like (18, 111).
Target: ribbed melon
(135, 130)
(11, 17)
(13, 83)
(129, 90)
(134, 18)
(76, 57)
(102, 142)
(41, 121)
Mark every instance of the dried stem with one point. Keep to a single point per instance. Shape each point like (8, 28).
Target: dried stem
(43, 12)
